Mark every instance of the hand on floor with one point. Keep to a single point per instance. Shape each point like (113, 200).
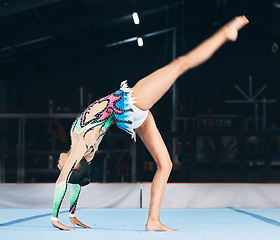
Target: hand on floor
(61, 226)
(76, 222)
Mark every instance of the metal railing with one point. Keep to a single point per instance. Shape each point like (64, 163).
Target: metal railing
(258, 150)
(253, 152)
(20, 150)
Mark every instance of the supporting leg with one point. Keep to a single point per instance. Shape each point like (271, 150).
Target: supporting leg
(151, 137)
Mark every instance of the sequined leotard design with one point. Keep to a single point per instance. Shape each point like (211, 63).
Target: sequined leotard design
(88, 130)
(116, 107)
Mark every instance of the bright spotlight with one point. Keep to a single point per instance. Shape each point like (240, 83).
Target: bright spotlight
(140, 42)
(135, 18)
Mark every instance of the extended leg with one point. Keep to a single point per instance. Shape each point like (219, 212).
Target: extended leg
(151, 137)
(151, 88)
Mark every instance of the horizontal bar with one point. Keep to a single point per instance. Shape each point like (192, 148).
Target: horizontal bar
(38, 115)
(144, 36)
(58, 152)
(251, 101)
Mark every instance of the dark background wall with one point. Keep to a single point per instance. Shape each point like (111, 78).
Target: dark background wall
(50, 48)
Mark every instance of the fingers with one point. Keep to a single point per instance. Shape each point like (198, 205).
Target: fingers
(61, 226)
(76, 222)
(82, 225)
(73, 220)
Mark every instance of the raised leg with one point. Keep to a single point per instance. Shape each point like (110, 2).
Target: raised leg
(151, 88)
(151, 137)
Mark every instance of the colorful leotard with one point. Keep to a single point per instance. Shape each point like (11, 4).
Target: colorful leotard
(87, 132)
(116, 107)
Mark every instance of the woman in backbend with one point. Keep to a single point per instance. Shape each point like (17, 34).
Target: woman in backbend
(129, 109)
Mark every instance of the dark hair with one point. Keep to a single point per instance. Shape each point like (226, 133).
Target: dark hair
(81, 174)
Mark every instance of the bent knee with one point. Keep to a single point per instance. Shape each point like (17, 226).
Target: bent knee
(166, 166)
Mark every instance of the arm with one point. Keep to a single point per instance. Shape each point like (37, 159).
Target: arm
(75, 190)
(60, 190)
(75, 156)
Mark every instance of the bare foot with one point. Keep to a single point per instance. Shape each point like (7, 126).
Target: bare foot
(158, 226)
(231, 28)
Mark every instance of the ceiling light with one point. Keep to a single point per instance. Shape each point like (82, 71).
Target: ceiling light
(135, 18)
(140, 42)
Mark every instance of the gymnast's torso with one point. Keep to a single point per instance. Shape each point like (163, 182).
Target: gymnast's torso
(92, 124)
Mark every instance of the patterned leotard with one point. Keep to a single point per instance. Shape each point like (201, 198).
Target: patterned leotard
(116, 107)
(89, 128)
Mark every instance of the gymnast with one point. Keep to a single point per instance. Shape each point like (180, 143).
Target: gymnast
(129, 109)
